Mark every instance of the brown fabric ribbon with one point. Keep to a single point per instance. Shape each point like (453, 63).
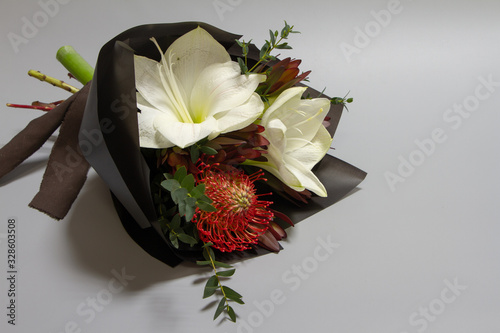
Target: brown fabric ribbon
(67, 169)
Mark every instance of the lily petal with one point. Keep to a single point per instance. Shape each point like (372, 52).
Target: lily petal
(221, 88)
(307, 178)
(310, 154)
(148, 83)
(149, 136)
(183, 134)
(192, 53)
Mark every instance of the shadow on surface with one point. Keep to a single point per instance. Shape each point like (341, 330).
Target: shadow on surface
(100, 244)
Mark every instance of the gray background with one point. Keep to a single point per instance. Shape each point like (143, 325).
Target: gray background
(400, 247)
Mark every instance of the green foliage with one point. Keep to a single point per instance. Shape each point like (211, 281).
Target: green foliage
(184, 199)
(185, 194)
(342, 100)
(214, 284)
(200, 147)
(275, 42)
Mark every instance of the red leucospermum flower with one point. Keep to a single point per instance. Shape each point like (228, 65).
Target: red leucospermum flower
(241, 218)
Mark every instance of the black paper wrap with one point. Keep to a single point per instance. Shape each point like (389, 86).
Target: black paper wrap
(110, 141)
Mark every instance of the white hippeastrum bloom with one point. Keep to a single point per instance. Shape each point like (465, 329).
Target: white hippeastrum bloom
(298, 139)
(194, 92)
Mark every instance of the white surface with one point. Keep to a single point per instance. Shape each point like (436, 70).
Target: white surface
(397, 248)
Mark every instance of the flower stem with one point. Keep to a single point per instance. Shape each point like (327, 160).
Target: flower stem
(75, 64)
(214, 267)
(36, 107)
(52, 81)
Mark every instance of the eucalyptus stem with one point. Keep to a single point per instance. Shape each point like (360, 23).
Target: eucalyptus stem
(52, 81)
(214, 267)
(75, 64)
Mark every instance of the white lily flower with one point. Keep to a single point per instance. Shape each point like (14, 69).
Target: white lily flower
(298, 139)
(194, 92)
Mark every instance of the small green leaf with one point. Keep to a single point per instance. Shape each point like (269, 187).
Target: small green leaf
(211, 286)
(231, 314)
(189, 213)
(230, 293)
(273, 37)
(209, 254)
(187, 239)
(170, 184)
(179, 195)
(180, 174)
(243, 66)
(284, 46)
(209, 150)
(220, 308)
(264, 50)
(212, 282)
(176, 222)
(207, 244)
(188, 182)
(203, 263)
(190, 201)
(195, 153)
(204, 198)
(173, 240)
(226, 273)
(198, 191)
(284, 31)
(182, 207)
(209, 291)
(206, 206)
(221, 264)
(239, 301)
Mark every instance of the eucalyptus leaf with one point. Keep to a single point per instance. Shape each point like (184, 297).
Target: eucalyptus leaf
(273, 37)
(188, 182)
(195, 153)
(176, 222)
(198, 191)
(239, 301)
(180, 174)
(221, 264)
(186, 239)
(231, 313)
(243, 66)
(206, 206)
(179, 195)
(209, 150)
(226, 273)
(209, 291)
(170, 184)
(189, 214)
(173, 240)
(230, 293)
(220, 308)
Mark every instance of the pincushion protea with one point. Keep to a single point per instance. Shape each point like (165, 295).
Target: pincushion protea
(240, 217)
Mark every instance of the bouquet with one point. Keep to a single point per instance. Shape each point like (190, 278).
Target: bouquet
(210, 146)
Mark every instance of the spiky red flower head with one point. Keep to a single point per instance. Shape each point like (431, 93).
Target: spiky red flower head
(240, 217)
